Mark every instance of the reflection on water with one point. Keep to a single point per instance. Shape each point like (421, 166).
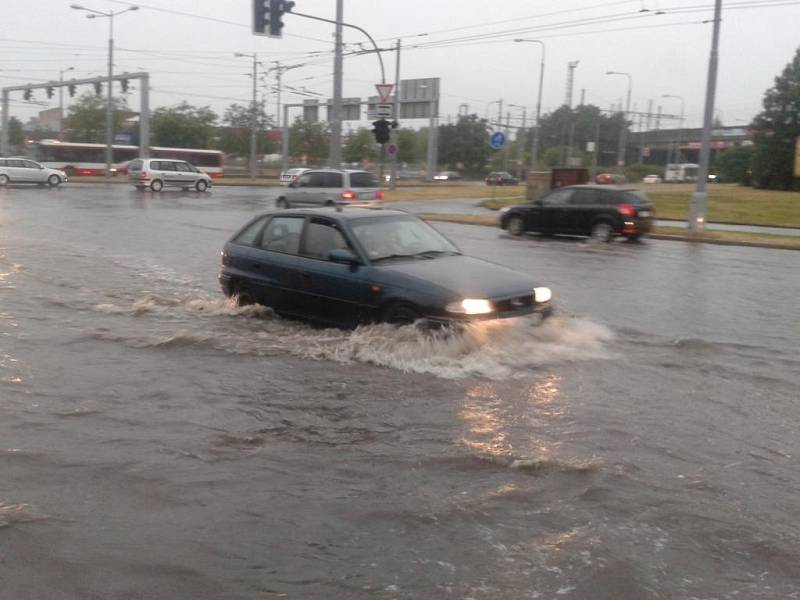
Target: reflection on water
(485, 433)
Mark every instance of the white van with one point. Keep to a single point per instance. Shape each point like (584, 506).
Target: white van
(156, 173)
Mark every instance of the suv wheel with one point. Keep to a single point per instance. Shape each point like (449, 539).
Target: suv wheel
(516, 226)
(602, 231)
(4, 180)
(156, 185)
(201, 185)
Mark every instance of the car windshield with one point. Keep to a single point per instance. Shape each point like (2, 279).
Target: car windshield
(402, 236)
(363, 180)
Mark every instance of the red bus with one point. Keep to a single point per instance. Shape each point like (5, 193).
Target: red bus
(90, 159)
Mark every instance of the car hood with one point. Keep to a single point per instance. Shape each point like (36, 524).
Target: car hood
(464, 276)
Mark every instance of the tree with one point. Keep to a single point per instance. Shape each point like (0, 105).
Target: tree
(234, 137)
(183, 126)
(408, 146)
(465, 145)
(360, 146)
(86, 118)
(586, 119)
(16, 135)
(777, 127)
(309, 141)
(734, 165)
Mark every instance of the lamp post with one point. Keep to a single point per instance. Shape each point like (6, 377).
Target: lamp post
(95, 14)
(61, 98)
(624, 130)
(254, 120)
(678, 137)
(535, 148)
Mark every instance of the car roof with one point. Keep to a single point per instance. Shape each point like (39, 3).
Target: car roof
(346, 214)
(598, 186)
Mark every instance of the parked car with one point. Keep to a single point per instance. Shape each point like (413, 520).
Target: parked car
(652, 178)
(610, 178)
(24, 170)
(501, 178)
(359, 266)
(156, 173)
(447, 176)
(290, 175)
(599, 211)
(330, 187)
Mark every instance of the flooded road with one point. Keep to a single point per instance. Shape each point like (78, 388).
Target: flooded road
(159, 443)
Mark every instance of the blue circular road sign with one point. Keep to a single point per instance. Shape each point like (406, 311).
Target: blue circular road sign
(497, 140)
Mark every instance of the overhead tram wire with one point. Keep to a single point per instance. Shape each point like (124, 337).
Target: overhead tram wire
(510, 33)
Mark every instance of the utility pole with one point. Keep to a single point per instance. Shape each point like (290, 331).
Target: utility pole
(396, 135)
(336, 109)
(697, 209)
(624, 128)
(254, 112)
(278, 77)
(61, 100)
(505, 148)
(500, 114)
(521, 143)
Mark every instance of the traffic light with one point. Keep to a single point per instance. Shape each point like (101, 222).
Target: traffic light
(71, 89)
(381, 131)
(27, 95)
(98, 88)
(268, 15)
(124, 85)
(49, 92)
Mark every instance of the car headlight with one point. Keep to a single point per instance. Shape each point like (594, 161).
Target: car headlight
(542, 294)
(505, 209)
(470, 306)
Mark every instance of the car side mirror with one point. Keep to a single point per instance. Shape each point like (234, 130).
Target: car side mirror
(343, 256)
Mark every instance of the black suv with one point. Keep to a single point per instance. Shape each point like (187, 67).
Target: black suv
(599, 211)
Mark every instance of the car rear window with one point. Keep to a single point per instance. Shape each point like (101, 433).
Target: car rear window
(636, 197)
(363, 180)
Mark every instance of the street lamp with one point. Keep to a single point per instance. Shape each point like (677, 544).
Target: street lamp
(678, 137)
(95, 14)
(623, 131)
(535, 148)
(254, 121)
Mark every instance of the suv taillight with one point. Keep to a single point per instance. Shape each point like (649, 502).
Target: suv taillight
(626, 210)
(349, 196)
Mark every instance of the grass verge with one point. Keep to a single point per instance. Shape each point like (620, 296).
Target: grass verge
(734, 238)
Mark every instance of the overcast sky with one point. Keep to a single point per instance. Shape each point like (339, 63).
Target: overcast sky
(188, 45)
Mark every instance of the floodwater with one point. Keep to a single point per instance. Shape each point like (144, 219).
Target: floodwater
(157, 442)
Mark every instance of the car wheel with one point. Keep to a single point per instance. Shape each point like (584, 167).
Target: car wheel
(282, 203)
(400, 313)
(156, 185)
(602, 231)
(242, 295)
(4, 180)
(201, 185)
(53, 180)
(516, 226)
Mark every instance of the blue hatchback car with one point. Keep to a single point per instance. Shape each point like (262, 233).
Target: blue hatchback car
(361, 265)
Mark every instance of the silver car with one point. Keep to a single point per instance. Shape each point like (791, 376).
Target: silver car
(156, 173)
(24, 170)
(332, 187)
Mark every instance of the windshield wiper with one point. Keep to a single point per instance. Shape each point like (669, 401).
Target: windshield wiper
(391, 256)
(434, 253)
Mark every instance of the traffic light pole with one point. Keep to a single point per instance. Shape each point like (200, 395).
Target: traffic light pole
(144, 115)
(393, 182)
